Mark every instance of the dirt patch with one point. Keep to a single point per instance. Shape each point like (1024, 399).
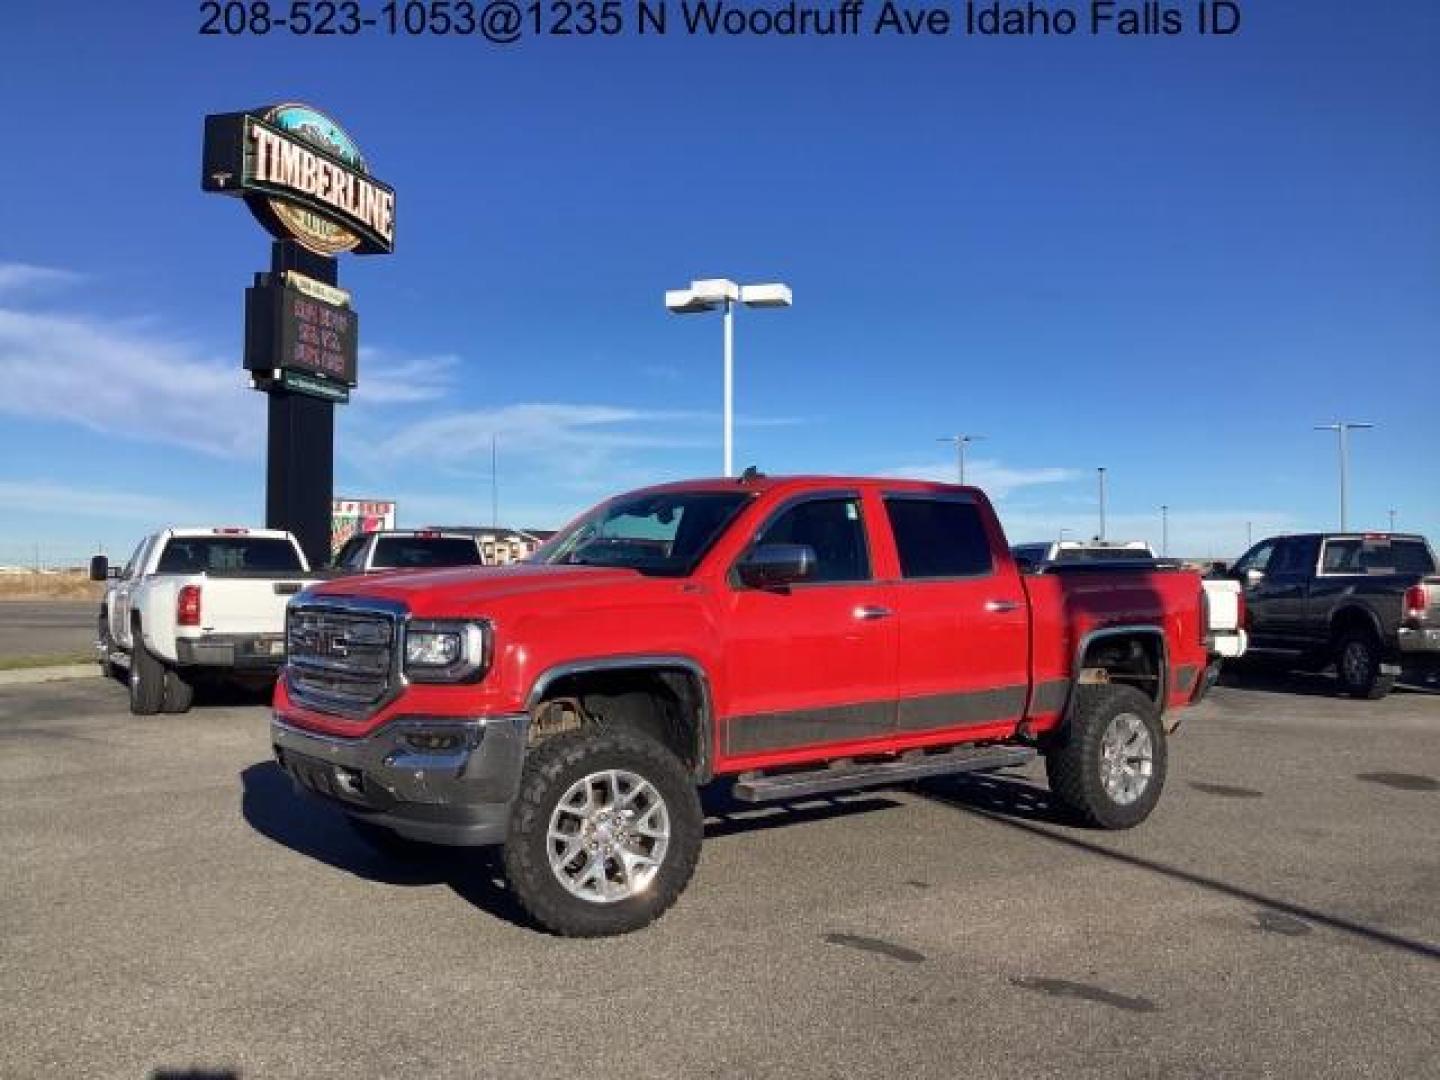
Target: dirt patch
(66, 586)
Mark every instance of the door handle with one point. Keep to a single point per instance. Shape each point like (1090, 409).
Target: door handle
(871, 612)
(1001, 606)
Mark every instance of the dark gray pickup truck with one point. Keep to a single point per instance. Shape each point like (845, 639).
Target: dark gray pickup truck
(1369, 603)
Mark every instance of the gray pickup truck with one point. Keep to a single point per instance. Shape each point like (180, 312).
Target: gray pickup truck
(1369, 603)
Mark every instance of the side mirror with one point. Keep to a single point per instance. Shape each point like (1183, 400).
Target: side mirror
(773, 566)
(1253, 577)
(99, 568)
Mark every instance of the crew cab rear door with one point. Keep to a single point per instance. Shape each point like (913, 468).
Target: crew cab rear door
(811, 664)
(961, 617)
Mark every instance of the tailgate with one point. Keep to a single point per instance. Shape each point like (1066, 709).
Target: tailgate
(1222, 605)
(248, 605)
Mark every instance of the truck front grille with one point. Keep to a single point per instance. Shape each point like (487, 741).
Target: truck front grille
(341, 656)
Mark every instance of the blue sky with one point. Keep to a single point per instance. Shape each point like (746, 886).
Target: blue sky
(1168, 257)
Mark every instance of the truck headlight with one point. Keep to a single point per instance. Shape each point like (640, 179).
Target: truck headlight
(446, 652)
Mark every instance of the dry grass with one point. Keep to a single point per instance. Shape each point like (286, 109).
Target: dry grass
(17, 663)
(68, 586)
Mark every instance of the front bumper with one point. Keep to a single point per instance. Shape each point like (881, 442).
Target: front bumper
(250, 651)
(456, 791)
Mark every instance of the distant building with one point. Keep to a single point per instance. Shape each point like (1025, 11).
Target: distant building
(500, 545)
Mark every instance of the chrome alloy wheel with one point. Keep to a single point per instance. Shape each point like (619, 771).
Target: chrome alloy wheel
(1127, 758)
(608, 835)
(1355, 663)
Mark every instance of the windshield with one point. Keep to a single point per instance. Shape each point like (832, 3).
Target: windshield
(665, 533)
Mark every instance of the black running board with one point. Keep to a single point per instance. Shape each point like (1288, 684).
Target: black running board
(846, 775)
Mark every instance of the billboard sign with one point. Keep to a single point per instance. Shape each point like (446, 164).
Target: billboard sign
(296, 324)
(303, 178)
(350, 517)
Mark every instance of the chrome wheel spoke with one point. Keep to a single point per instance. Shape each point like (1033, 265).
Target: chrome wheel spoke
(1127, 755)
(619, 822)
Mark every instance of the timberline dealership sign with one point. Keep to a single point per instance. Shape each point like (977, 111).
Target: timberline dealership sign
(302, 176)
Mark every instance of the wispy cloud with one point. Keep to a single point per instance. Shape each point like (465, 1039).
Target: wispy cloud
(127, 379)
(20, 277)
(997, 478)
(390, 378)
(45, 497)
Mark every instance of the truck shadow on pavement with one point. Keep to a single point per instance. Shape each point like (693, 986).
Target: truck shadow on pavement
(273, 808)
(1021, 804)
(1278, 680)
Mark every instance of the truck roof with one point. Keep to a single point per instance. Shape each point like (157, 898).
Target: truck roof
(802, 482)
(188, 531)
(1373, 535)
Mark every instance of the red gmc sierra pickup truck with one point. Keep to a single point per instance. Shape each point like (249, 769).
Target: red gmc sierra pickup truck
(795, 636)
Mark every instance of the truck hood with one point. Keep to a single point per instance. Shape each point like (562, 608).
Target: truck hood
(472, 590)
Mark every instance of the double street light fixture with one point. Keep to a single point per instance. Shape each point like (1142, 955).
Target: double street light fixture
(722, 293)
(960, 441)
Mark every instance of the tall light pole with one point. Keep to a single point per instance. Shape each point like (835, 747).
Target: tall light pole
(960, 441)
(1062, 534)
(1100, 472)
(1164, 529)
(1392, 521)
(1249, 535)
(1342, 428)
(712, 293)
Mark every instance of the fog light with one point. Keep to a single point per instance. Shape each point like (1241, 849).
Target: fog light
(431, 741)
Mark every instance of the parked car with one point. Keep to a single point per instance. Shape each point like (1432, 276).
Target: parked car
(794, 636)
(1226, 638)
(1048, 553)
(407, 549)
(192, 603)
(1367, 602)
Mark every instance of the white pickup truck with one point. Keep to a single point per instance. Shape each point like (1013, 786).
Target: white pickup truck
(1224, 612)
(196, 603)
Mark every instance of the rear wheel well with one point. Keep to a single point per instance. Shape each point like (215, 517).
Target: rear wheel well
(1351, 620)
(1132, 659)
(667, 704)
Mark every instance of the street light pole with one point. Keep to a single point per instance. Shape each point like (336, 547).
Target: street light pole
(1342, 428)
(1101, 472)
(1164, 530)
(729, 387)
(1392, 521)
(712, 293)
(960, 441)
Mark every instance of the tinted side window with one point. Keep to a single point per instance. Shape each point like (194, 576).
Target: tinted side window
(351, 555)
(1257, 558)
(1341, 557)
(834, 529)
(939, 537)
(1289, 557)
(133, 566)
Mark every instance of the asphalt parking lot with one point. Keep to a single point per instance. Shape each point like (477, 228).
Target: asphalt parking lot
(169, 905)
(47, 627)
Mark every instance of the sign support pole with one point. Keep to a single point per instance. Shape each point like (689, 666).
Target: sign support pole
(300, 470)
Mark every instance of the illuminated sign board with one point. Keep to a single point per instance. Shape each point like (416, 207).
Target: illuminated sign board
(298, 326)
(302, 176)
